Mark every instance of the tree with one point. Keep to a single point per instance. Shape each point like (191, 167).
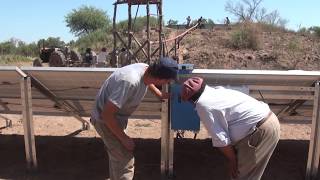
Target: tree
(210, 21)
(7, 47)
(244, 11)
(172, 22)
(249, 10)
(24, 49)
(315, 30)
(138, 24)
(274, 19)
(51, 42)
(95, 40)
(87, 19)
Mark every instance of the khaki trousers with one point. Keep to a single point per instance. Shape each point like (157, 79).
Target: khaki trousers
(121, 161)
(255, 150)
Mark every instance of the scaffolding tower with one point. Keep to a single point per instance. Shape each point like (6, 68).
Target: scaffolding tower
(150, 51)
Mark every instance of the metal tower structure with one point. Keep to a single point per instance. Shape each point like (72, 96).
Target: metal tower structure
(127, 38)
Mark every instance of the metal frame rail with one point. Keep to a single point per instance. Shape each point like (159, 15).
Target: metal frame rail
(27, 116)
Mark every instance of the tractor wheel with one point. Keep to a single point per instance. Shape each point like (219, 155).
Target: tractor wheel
(57, 59)
(37, 63)
(75, 56)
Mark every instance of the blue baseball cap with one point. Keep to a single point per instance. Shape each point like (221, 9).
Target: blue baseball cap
(165, 68)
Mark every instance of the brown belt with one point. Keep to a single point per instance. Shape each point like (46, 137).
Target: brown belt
(264, 119)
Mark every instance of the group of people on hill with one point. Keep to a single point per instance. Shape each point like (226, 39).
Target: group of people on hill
(244, 129)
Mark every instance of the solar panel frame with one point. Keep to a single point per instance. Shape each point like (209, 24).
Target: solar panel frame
(80, 86)
(9, 82)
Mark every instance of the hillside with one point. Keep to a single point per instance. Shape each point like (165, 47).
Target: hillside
(276, 50)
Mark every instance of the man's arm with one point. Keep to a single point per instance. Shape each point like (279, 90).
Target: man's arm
(161, 95)
(108, 115)
(230, 154)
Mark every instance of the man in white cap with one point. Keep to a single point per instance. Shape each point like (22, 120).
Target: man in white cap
(244, 129)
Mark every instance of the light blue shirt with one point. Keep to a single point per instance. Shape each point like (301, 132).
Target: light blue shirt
(125, 89)
(229, 115)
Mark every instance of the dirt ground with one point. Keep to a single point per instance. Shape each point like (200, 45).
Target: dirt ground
(65, 152)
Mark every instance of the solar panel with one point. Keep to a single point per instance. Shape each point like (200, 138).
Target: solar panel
(270, 86)
(10, 91)
(253, 77)
(79, 86)
(9, 82)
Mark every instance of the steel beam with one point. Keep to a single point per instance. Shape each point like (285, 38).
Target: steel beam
(61, 103)
(166, 142)
(314, 145)
(29, 140)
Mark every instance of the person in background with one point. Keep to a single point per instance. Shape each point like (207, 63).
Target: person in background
(88, 57)
(188, 21)
(227, 21)
(117, 99)
(123, 54)
(102, 58)
(244, 129)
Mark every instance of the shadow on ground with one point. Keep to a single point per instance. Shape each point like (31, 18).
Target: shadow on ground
(69, 158)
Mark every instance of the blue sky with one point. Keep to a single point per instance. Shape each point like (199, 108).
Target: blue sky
(31, 20)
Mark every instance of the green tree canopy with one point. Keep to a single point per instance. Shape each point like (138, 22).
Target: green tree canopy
(137, 24)
(315, 30)
(7, 47)
(18, 47)
(172, 22)
(51, 42)
(95, 40)
(86, 20)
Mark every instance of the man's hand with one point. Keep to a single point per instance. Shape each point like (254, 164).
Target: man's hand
(161, 95)
(165, 95)
(232, 163)
(233, 168)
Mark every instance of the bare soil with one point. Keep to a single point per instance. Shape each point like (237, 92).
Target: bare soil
(65, 152)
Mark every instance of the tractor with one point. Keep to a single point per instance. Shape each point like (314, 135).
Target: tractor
(58, 57)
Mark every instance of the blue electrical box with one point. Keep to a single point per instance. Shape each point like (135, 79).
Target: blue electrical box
(183, 114)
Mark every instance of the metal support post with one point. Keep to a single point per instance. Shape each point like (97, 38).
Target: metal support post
(114, 58)
(167, 141)
(8, 121)
(314, 145)
(148, 34)
(29, 139)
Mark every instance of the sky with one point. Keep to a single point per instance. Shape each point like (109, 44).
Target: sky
(31, 20)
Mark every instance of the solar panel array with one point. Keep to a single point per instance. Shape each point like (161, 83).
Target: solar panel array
(78, 87)
(277, 88)
(283, 90)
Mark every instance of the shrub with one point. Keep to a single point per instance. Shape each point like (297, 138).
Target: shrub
(271, 27)
(315, 30)
(13, 59)
(294, 45)
(246, 37)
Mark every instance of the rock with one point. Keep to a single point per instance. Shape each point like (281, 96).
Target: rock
(249, 56)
